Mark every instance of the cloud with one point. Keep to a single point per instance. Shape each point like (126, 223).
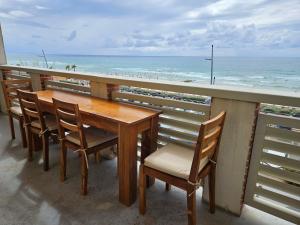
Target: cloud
(15, 14)
(72, 35)
(39, 7)
(160, 27)
(20, 13)
(32, 24)
(222, 7)
(4, 15)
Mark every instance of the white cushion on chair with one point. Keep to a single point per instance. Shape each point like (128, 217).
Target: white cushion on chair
(94, 136)
(16, 110)
(174, 160)
(50, 121)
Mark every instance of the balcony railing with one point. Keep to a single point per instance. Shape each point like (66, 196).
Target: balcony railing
(259, 154)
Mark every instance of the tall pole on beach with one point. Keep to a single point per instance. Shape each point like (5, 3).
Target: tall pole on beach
(211, 59)
(44, 55)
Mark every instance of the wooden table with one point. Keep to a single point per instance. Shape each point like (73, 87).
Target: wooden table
(124, 119)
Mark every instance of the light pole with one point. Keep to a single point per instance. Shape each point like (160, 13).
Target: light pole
(44, 56)
(211, 59)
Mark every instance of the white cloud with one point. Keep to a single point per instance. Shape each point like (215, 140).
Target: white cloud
(274, 13)
(15, 14)
(19, 13)
(164, 27)
(221, 8)
(258, 12)
(5, 15)
(39, 7)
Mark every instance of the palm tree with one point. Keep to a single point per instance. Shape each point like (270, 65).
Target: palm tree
(73, 67)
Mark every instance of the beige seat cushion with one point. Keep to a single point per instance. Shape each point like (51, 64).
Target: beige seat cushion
(50, 121)
(16, 110)
(174, 160)
(94, 137)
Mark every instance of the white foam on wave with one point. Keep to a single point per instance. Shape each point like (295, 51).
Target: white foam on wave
(256, 77)
(230, 78)
(235, 83)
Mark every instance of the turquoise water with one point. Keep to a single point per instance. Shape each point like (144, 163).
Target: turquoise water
(271, 73)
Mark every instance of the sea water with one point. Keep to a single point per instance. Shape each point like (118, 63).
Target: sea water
(276, 73)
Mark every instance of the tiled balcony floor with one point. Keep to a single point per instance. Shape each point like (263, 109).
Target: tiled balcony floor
(30, 196)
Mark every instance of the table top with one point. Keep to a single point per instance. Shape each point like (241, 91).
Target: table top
(112, 110)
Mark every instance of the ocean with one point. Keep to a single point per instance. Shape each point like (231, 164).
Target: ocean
(276, 73)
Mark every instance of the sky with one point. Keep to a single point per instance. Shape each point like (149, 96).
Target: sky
(152, 27)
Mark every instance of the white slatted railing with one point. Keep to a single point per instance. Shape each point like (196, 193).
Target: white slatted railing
(67, 86)
(15, 74)
(274, 176)
(181, 118)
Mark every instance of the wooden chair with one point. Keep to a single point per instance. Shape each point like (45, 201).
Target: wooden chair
(74, 135)
(184, 168)
(12, 103)
(37, 123)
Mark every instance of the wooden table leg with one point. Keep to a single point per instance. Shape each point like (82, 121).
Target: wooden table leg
(127, 164)
(149, 144)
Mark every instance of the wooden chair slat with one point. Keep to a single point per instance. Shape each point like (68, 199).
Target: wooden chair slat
(216, 121)
(12, 97)
(69, 126)
(66, 115)
(212, 136)
(31, 113)
(209, 150)
(28, 104)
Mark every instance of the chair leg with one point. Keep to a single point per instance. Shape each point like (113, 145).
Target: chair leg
(142, 191)
(11, 124)
(45, 140)
(211, 181)
(30, 145)
(84, 175)
(97, 157)
(63, 161)
(191, 206)
(23, 133)
(168, 187)
(37, 143)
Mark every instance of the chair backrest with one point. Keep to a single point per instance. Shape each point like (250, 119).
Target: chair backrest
(10, 88)
(69, 120)
(30, 108)
(208, 142)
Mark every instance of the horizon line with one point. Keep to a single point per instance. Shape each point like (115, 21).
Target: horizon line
(124, 55)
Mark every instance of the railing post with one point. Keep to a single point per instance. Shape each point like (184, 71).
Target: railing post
(3, 61)
(36, 82)
(44, 78)
(104, 90)
(234, 151)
